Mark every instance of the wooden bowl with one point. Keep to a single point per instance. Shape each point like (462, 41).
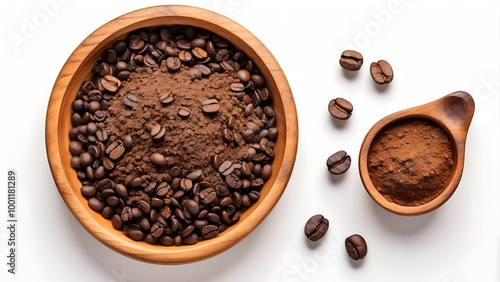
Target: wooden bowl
(453, 113)
(78, 69)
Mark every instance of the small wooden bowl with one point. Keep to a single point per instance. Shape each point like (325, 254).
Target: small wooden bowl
(453, 113)
(78, 69)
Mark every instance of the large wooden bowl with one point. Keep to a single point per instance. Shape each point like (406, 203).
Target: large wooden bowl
(78, 69)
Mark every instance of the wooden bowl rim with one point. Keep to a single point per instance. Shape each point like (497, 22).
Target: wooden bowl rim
(204, 249)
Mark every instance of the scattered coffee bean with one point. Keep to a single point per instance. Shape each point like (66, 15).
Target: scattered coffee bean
(351, 60)
(184, 112)
(316, 227)
(210, 106)
(381, 72)
(158, 159)
(158, 132)
(115, 150)
(356, 247)
(340, 108)
(338, 163)
(130, 101)
(173, 64)
(110, 83)
(166, 98)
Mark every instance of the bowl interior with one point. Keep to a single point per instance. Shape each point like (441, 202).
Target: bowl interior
(450, 186)
(78, 68)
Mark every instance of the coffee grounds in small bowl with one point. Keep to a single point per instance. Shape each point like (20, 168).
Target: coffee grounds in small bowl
(410, 161)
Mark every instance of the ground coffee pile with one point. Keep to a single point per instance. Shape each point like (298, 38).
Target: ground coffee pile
(410, 161)
(189, 142)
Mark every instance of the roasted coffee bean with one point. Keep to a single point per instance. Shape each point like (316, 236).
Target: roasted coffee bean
(100, 172)
(117, 222)
(115, 150)
(191, 206)
(237, 87)
(75, 148)
(254, 195)
(166, 99)
(207, 195)
(107, 163)
(227, 135)
(100, 116)
(128, 142)
(194, 74)
(112, 201)
(338, 163)
(191, 239)
(351, 60)
(157, 230)
(210, 231)
(340, 108)
(95, 204)
(88, 191)
(166, 240)
(95, 152)
(173, 64)
(210, 106)
(136, 234)
(86, 159)
(266, 172)
(76, 119)
(199, 54)
(233, 181)
(226, 168)
(205, 71)
(221, 55)
(316, 227)
(137, 212)
(184, 112)
(130, 100)
(356, 247)
(158, 132)
(195, 175)
(186, 184)
(243, 75)
(126, 214)
(110, 83)
(381, 72)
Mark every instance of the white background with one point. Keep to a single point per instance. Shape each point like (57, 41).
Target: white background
(435, 48)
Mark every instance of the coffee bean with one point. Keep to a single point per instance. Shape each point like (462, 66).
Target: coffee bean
(88, 191)
(237, 87)
(243, 75)
(158, 132)
(221, 55)
(199, 54)
(191, 239)
(191, 206)
(128, 142)
(117, 222)
(95, 204)
(205, 71)
(356, 247)
(195, 175)
(184, 112)
(136, 234)
(110, 83)
(207, 195)
(194, 74)
(210, 231)
(186, 184)
(115, 150)
(266, 172)
(173, 64)
(381, 72)
(233, 181)
(166, 98)
(100, 172)
(158, 159)
(126, 214)
(351, 60)
(226, 168)
(227, 135)
(75, 148)
(107, 163)
(340, 108)
(157, 230)
(100, 116)
(130, 101)
(210, 106)
(316, 227)
(86, 159)
(338, 163)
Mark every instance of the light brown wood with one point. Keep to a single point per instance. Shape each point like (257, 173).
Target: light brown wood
(78, 68)
(453, 113)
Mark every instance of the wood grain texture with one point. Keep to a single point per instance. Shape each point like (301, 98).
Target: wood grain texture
(454, 114)
(78, 69)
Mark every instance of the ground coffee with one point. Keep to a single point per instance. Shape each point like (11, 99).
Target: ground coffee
(410, 161)
(173, 137)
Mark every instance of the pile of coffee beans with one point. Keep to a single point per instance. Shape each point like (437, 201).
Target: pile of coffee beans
(140, 163)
